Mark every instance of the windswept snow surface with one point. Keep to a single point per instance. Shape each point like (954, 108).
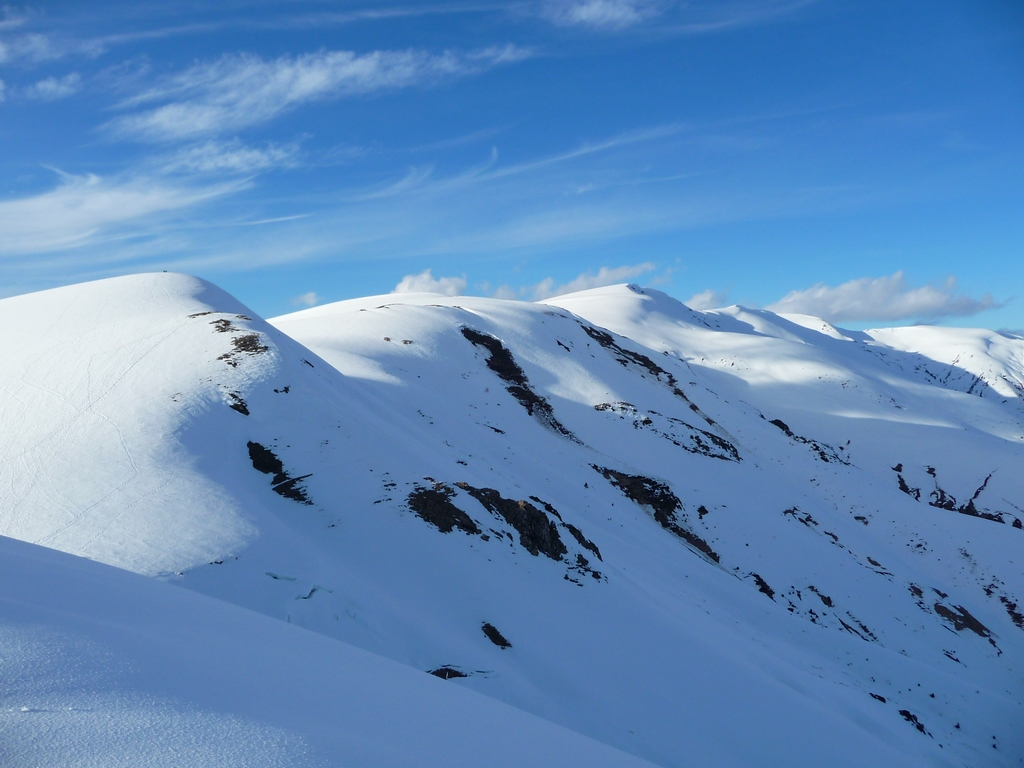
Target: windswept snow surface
(723, 538)
(101, 667)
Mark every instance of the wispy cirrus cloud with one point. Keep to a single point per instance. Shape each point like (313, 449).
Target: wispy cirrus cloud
(20, 45)
(697, 17)
(888, 298)
(230, 157)
(603, 14)
(54, 88)
(242, 90)
(88, 208)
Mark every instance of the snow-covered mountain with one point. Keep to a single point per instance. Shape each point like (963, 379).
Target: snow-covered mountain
(724, 538)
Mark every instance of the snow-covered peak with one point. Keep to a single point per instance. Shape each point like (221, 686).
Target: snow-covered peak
(628, 304)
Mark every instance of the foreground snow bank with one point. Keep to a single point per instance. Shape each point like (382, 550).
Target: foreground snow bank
(102, 667)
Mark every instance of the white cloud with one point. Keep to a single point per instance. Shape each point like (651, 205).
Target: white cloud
(708, 299)
(34, 48)
(3, 87)
(425, 282)
(53, 88)
(882, 298)
(306, 300)
(86, 208)
(507, 292)
(546, 288)
(238, 91)
(608, 14)
(231, 157)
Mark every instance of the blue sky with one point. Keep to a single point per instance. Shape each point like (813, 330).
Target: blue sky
(860, 161)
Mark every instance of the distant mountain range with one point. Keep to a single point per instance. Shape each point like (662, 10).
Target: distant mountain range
(715, 538)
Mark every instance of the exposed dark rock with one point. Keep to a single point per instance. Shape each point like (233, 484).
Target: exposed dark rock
(291, 490)
(970, 509)
(645, 491)
(264, 460)
(912, 718)
(249, 344)
(762, 585)
(583, 540)
(537, 533)
(662, 502)
(577, 534)
(625, 357)
(547, 507)
(803, 517)
(623, 407)
(238, 404)
(825, 452)
(942, 500)
(1011, 608)
(500, 360)
(583, 566)
(824, 598)
(877, 697)
(434, 505)
(447, 673)
(915, 492)
(678, 432)
(962, 619)
(865, 633)
(495, 636)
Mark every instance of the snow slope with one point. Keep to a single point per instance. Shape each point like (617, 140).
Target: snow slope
(105, 668)
(725, 538)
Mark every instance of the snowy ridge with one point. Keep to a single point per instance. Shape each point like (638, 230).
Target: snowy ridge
(713, 537)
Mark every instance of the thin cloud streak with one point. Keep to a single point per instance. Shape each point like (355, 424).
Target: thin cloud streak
(735, 16)
(600, 14)
(82, 209)
(241, 90)
(231, 157)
